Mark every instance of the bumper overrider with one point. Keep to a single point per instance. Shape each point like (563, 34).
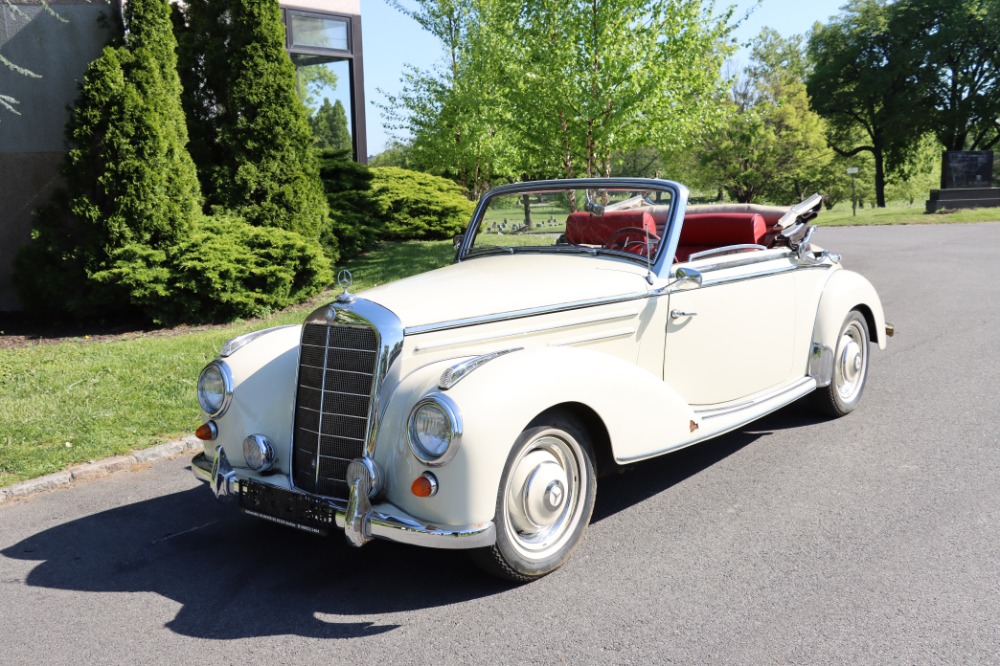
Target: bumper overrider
(360, 522)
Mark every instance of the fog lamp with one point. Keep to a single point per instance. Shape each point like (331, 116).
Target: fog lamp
(258, 452)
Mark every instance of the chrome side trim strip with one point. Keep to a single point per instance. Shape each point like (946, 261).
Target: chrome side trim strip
(716, 412)
(740, 415)
(521, 314)
(727, 249)
(600, 319)
(610, 335)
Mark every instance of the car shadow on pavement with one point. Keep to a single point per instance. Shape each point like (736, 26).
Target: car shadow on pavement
(238, 577)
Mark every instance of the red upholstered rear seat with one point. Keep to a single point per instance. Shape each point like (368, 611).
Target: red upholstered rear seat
(587, 229)
(705, 231)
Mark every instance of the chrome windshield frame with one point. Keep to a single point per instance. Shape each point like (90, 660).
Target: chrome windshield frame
(668, 243)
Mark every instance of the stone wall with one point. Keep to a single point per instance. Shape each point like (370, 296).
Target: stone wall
(31, 144)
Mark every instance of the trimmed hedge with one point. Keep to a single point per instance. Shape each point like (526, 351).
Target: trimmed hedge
(225, 269)
(417, 206)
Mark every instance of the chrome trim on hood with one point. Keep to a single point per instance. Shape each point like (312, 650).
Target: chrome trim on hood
(521, 314)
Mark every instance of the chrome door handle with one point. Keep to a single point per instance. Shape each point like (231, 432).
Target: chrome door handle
(677, 314)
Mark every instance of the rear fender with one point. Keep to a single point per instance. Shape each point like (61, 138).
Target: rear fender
(843, 292)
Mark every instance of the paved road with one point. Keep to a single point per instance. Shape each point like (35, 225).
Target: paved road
(868, 540)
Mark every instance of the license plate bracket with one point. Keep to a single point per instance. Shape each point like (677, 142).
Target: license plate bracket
(287, 508)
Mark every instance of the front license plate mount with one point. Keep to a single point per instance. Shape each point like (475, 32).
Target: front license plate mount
(287, 508)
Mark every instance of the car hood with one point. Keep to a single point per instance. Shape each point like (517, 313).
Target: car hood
(500, 284)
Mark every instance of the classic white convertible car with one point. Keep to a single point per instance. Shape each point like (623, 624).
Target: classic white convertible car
(583, 325)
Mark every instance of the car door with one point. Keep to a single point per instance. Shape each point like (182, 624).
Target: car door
(732, 335)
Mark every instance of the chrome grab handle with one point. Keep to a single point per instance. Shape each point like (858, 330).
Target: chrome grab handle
(677, 314)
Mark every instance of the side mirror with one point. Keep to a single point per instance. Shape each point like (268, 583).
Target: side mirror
(458, 240)
(686, 275)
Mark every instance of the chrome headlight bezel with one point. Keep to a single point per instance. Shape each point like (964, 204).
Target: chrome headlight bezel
(215, 406)
(452, 429)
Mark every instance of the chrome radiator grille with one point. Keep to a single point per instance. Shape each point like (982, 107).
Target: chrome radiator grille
(336, 377)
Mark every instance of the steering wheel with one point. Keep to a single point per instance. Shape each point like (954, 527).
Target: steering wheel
(625, 237)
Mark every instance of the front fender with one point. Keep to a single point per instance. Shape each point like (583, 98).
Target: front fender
(498, 400)
(843, 292)
(263, 396)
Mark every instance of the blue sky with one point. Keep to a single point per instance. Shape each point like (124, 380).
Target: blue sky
(391, 40)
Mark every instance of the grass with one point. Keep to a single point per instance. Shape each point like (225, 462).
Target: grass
(901, 213)
(79, 400)
(66, 403)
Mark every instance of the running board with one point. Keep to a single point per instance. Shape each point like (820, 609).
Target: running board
(715, 421)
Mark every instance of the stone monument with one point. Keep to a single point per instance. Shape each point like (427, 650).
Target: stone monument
(966, 181)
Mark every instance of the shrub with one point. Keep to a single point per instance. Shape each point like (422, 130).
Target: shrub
(353, 225)
(411, 205)
(225, 269)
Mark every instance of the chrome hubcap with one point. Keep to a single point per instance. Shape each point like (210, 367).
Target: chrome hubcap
(851, 362)
(543, 495)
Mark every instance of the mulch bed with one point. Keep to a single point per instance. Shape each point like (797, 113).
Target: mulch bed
(17, 330)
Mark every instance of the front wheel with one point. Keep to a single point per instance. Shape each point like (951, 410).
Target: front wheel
(850, 369)
(544, 504)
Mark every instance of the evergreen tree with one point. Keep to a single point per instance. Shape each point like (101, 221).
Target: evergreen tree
(241, 100)
(129, 178)
(330, 127)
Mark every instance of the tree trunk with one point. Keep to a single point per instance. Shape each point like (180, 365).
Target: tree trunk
(879, 176)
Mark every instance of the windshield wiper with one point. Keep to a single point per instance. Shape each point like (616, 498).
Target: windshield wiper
(489, 249)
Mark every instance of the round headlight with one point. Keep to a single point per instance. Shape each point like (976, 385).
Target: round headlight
(434, 430)
(258, 453)
(215, 388)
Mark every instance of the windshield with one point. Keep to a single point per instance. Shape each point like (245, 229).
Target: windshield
(623, 221)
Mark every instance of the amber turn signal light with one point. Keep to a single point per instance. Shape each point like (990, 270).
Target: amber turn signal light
(424, 485)
(207, 431)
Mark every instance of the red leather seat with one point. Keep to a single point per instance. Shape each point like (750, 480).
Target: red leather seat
(587, 229)
(705, 231)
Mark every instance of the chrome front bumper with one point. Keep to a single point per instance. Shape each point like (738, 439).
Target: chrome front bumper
(360, 522)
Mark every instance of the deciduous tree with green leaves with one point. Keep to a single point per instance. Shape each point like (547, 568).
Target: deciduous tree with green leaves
(456, 112)
(772, 145)
(862, 83)
(956, 47)
(554, 88)
(600, 77)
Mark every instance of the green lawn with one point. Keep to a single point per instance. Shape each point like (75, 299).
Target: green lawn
(79, 400)
(901, 213)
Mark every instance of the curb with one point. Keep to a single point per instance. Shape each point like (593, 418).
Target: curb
(100, 468)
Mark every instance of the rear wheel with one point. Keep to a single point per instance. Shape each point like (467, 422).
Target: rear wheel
(544, 504)
(850, 369)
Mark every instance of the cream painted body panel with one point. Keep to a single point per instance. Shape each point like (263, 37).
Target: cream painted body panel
(498, 284)
(263, 398)
(640, 413)
(738, 337)
(843, 292)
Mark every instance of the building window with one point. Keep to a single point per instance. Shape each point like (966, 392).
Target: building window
(326, 51)
(315, 32)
